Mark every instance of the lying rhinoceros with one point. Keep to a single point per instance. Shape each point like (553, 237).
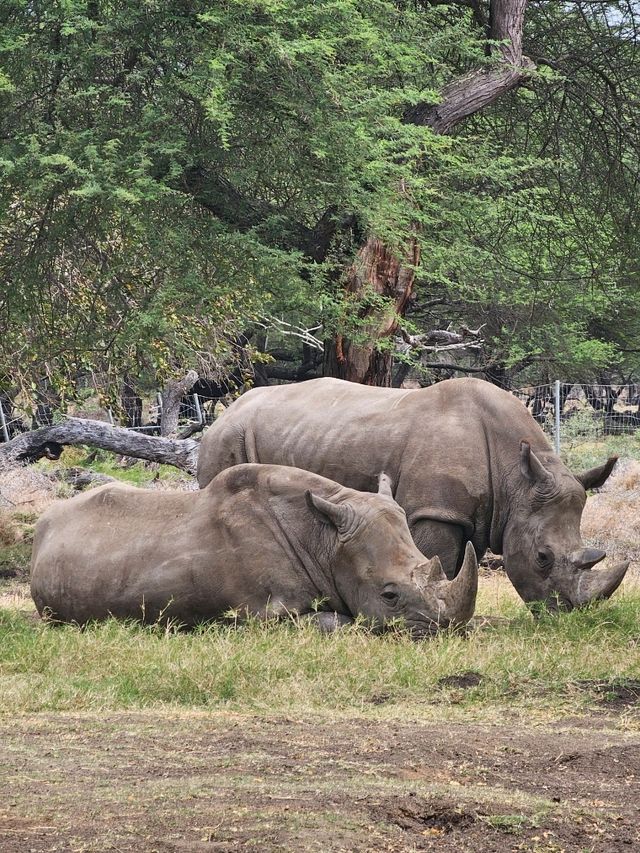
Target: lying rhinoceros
(467, 462)
(260, 539)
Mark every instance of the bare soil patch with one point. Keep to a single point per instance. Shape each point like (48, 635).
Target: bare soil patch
(171, 782)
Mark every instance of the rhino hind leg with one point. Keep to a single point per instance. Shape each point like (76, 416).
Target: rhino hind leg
(437, 538)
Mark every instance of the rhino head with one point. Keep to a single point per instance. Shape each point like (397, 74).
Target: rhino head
(380, 573)
(544, 555)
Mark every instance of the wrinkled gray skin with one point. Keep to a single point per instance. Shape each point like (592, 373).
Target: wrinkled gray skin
(260, 539)
(466, 460)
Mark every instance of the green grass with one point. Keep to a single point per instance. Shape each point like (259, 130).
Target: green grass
(509, 823)
(581, 452)
(15, 560)
(104, 462)
(525, 665)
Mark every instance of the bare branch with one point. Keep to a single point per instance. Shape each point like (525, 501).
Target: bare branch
(288, 329)
(473, 92)
(49, 442)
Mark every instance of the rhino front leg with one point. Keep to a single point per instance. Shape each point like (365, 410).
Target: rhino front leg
(328, 622)
(438, 538)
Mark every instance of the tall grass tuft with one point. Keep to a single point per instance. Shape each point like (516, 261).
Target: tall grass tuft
(290, 667)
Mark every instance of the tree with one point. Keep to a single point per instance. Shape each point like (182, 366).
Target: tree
(173, 173)
(553, 272)
(389, 274)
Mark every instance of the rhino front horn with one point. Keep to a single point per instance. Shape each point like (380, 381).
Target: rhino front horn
(461, 592)
(593, 586)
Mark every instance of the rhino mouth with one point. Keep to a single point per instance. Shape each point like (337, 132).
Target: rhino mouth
(426, 630)
(553, 603)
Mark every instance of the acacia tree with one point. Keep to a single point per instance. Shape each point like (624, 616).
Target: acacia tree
(171, 170)
(553, 271)
(183, 160)
(387, 272)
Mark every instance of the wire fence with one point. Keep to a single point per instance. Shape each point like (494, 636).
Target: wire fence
(16, 418)
(569, 413)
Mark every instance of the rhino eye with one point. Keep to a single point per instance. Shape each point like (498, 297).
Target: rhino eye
(390, 596)
(544, 559)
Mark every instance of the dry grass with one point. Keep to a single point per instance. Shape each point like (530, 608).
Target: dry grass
(8, 529)
(25, 488)
(611, 518)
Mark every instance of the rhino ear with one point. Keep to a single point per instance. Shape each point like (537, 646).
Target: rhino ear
(596, 477)
(384, 486)
(532, 468)
(339, 515)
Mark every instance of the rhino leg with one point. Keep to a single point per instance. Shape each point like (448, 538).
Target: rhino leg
(437, 538)
(328, 622)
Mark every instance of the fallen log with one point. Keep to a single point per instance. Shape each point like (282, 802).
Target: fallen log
(49, 442)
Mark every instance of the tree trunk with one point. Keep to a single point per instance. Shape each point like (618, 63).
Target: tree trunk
(171, 397)
(377, 269)
(48, 442)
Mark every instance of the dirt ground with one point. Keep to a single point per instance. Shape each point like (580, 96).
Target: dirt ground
(170, 782)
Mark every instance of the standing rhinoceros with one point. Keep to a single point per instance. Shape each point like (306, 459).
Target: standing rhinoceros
(466, 459)
(260, 539)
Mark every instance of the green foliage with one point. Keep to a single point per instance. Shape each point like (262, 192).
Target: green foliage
(163, 167)
(582, 449)
(169, 172)
(553, 268)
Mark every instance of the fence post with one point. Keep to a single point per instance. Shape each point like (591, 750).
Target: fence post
(557, 418)
(196, 403)
(3, 424)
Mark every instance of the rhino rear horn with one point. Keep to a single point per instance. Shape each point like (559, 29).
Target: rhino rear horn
(384, 486)
(531, 467)
(596, 477)
(586, 558)
(433, 571)
(461, 592)
(340, 515)
(593, 586)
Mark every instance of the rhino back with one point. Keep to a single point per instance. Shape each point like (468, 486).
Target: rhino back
(190, 556)
(94, 553)
(320, 426)
(448, 448)
(350, 432)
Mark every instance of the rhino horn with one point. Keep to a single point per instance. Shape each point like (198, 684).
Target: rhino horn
(384, 486)
(460, 593)
(340, 515)
(596, 477)
(432, 572)
(531, 467)
(593, 586)
(586, 558)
